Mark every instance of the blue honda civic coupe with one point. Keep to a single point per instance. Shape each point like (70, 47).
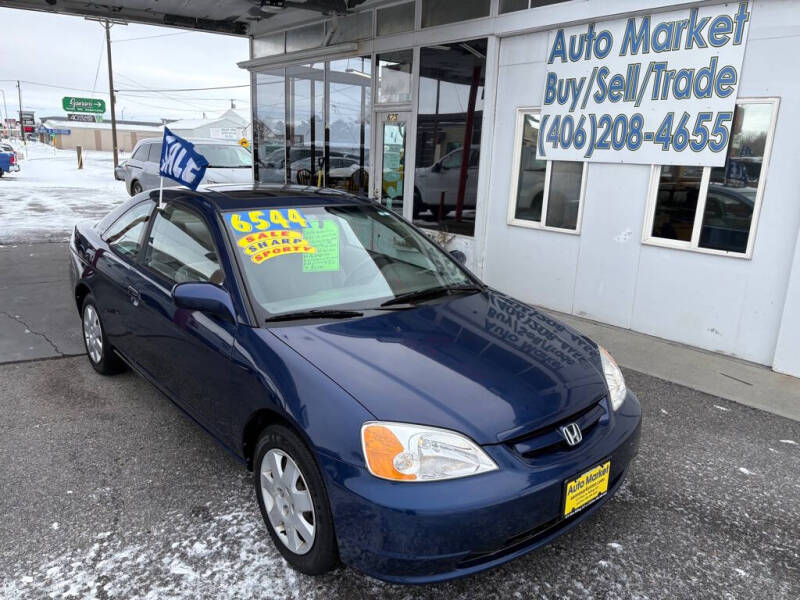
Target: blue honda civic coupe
(398, 415)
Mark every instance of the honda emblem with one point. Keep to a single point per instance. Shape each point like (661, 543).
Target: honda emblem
(572, 434)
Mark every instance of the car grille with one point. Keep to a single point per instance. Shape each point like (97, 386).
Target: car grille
(548, 440)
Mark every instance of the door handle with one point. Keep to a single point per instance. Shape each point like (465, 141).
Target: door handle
(134, 295)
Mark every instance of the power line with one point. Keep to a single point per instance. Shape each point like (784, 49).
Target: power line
(219, 87)
(58, 87)
(99, 60)
(148, 37)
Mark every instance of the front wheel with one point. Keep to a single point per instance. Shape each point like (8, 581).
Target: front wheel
(293, 501)
(136, 188)
(100, 353)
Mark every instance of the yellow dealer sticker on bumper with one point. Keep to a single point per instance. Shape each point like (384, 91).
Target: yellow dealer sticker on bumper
(586, 488)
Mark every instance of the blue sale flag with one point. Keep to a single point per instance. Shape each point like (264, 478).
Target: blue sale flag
(180, 162)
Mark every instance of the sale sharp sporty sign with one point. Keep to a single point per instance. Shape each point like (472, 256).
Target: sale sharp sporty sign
(656, 89)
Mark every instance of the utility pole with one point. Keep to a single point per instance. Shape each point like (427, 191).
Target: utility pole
(5, 111)
(111, 94)
(21, 126)
(107, 23)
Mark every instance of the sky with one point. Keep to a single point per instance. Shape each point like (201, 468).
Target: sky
(70, 52)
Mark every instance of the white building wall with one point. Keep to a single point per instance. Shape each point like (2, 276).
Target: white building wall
(720, 303)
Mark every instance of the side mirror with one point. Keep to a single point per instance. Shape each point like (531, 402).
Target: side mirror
(459, 256)
(205, 297)
(437, 167)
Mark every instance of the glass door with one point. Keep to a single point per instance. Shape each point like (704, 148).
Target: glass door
(390, 158)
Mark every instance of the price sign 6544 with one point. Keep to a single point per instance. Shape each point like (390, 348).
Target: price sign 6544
(260, 220)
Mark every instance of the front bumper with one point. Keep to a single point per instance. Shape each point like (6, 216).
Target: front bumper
(427, 532)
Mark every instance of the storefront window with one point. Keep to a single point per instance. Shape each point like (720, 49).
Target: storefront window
(551, 188)
(715, 208)
(395, 19)
(269, 128)
(449, 120)
(306, 143)
(394, 76)
(676, 203)
(512, 5)
(441, 12)
(531, 177)
(348, 131)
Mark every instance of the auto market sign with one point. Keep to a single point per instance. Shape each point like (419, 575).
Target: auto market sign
(85, 105)
(655, 89)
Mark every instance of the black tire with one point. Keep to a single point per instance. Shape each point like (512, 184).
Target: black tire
(109, 363)
(324, 553)
(136, 188)
(1, 172)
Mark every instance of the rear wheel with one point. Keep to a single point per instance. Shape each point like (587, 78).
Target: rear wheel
(293, 501)
(100, 353)
(136, 188)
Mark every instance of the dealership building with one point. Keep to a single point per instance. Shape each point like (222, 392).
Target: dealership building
(683, 225)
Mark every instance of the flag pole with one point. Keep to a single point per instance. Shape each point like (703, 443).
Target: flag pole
(161, 193)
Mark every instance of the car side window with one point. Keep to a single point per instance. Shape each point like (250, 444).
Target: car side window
(453, 161)
(155, 153)
(181, 247)
(141, 153)
(124, 236)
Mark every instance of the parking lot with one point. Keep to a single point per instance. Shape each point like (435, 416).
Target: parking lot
(110, 491)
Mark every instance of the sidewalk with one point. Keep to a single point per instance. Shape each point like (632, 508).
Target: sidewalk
(716, 374)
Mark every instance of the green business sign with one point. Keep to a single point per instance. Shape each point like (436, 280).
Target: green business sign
(87, 105)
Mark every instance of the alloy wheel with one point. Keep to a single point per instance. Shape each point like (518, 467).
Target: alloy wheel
(93, 333)
(288, 501)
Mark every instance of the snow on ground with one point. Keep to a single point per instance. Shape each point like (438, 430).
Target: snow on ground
(49, 195)
(226, 555)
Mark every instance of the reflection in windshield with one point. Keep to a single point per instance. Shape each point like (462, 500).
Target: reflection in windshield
(347, 257)
(228, 156)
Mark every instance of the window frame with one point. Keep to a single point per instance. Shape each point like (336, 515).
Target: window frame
(693, 245)
(104, 235)
(166, 282)
(511, 219)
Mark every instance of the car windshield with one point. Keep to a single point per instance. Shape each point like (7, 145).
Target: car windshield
(225, 156)
(344, 257)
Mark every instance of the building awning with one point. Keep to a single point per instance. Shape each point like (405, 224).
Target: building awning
(236, 17)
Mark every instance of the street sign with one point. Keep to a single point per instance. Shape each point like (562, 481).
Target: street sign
(83, 117)
(85, 105)
(49, 131)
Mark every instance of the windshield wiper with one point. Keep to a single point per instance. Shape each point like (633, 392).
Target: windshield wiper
(315, 314)
(444, 290)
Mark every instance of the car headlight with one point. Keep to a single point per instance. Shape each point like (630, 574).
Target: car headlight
(404, 452)
(614, 379)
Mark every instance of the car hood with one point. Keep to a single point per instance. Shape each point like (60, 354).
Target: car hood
(485, 364)
(227, 176)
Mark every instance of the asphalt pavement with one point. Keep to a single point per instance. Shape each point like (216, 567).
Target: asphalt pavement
(109, 491)
(38, 317)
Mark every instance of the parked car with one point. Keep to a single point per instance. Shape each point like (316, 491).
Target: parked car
(8, 162)
(438, 184)
(6, 147)
(398, 414)
(120, 171)
(228, 162)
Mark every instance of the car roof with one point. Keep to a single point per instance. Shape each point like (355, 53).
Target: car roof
(198, 140)
(226, 197)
